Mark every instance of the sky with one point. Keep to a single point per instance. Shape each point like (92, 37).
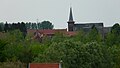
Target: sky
(57, 11)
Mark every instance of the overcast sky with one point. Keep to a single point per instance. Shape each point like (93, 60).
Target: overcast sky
(57, 11)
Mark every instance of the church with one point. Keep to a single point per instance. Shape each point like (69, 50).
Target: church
(71, 30)
(86, 27)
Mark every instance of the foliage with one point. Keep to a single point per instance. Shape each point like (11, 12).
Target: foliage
(76, 54)
(14, 26)
(1, 26)
(93, 35)
(115, 53)
(113, 38)
(80, 51)
(40, 25)
(58, 37)
(13, 47)
(6, 28)
(79, 37)
(2, 48)
(46, 25)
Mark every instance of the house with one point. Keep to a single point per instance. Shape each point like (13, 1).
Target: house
(39, 34)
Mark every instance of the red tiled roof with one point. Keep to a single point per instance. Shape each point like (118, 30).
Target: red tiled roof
(47, 31)
(53, 31)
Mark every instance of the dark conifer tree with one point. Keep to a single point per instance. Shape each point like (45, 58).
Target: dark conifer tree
(116, 29)
(1, 28)
(6, 27)
(23, 29)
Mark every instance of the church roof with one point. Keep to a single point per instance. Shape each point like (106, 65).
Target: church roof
(88, 25)
(71, 15)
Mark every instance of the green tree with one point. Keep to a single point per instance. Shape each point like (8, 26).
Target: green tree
(93, 35)
(77, 55)
(39, 25)
(27, 25)
(14, 44)
(34, 26)
(2, 48)
(23, 29)
(94, 55)
(80, 36)
(113, 37)
(116, 29)
(58, 37)
(1, 26)
(6, 28)
(115, 53)
(46, 25)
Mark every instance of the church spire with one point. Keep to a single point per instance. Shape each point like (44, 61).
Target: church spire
(71, 21)
(71, 15)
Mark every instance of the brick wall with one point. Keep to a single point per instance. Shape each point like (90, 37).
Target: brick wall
(44, 65)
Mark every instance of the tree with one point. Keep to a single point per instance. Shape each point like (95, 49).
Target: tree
(17, 47)
(27, 25)
(80, 36)
(46, 25)
(30, 25)
(39, 25)
(93, 35)
(116, 29)
(115, 53)
(1, 27)
(77, 55)
(2, 48)
(113, 37)
(58, 37)
(6, 28)
(94, 55)
(23, 29)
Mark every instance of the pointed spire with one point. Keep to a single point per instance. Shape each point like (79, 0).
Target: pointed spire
(71, 16)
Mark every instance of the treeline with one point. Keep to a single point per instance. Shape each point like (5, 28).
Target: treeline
(89, 50)
(40, 25)
(7, 27)
(25, 25)
(22, 26)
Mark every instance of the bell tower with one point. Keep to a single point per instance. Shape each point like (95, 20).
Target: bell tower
(71, 21)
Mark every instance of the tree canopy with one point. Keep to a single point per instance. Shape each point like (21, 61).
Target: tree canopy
(80, 51)
(113, 37)
(40, 25)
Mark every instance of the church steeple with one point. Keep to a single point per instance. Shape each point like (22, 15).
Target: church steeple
(71, 15)
(71, 21)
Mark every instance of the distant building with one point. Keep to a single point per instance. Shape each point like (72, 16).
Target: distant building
(72, 29)
(39, 34)
(86, 27)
